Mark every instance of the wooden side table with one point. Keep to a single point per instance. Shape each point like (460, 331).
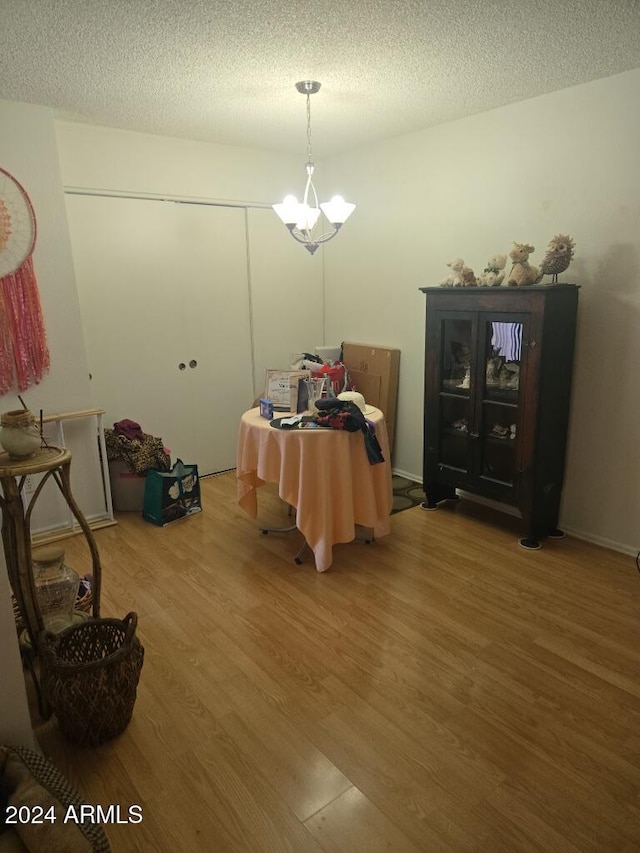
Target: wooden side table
(55, 463)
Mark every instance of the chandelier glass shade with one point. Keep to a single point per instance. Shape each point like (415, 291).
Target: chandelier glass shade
(303, 218)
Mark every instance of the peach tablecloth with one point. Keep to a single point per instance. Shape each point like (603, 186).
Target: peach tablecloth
(325, 474)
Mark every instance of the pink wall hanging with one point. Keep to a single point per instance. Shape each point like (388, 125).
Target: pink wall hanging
(24, 354)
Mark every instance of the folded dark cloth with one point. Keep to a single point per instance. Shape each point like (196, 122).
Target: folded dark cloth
(129, 429)
(341, 414)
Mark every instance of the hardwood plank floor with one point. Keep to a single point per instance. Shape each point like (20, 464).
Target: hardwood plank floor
(439, 690)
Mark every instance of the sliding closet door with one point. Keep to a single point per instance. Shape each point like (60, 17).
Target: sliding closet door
(165, 310)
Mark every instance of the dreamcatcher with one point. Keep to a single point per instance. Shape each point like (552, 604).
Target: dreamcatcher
(24, 355)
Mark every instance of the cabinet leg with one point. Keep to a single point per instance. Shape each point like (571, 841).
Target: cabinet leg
(436, 493)
(557, 534)
(535, 532)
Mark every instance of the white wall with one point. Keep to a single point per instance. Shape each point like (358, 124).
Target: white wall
(119, 160)
(28, 151)
(562, 163)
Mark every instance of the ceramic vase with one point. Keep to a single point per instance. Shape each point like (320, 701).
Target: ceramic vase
(19, 435)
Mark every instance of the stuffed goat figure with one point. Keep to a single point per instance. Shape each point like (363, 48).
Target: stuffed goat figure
(522, 273)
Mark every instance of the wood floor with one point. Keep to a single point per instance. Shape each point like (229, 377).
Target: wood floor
(438, 690)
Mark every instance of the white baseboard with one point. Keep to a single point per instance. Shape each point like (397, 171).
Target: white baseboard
(398, 472)
(602, 541)
(44, 536)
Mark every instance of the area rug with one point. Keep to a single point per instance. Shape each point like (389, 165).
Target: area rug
(406, 493)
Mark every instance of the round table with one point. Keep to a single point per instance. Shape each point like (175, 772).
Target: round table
(325, 474)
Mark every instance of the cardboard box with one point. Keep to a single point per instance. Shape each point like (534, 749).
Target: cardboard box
(127, 489)
(375, 371)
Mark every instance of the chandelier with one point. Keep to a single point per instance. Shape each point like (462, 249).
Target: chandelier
(303, 219)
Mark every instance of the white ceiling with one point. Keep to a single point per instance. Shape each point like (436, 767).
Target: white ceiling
(225, 71)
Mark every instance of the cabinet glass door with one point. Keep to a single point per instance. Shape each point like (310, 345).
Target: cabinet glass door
(501, 344)
(455, 411)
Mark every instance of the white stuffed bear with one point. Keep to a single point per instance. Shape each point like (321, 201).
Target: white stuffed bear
(493, 272)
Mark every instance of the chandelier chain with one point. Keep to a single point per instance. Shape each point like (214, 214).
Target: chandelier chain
(309, 128)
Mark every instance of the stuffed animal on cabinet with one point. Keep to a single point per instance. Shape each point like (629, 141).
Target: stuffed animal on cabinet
(522, 272)
(461, 275)
(493, 274)
(558, 257)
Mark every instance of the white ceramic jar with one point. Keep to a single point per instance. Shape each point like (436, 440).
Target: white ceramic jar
(20, 435)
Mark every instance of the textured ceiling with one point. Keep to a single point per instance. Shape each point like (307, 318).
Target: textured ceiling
(225, 71)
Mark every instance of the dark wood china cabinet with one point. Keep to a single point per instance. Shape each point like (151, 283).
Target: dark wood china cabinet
(498, 365)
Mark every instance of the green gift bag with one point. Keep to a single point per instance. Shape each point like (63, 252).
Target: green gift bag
(171, 495)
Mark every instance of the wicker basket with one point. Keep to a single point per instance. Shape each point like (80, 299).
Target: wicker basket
(89, 676)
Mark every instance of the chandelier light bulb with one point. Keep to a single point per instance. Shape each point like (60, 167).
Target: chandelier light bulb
(308, 218)
(337, 210)
(302, 219)
(289, 211)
